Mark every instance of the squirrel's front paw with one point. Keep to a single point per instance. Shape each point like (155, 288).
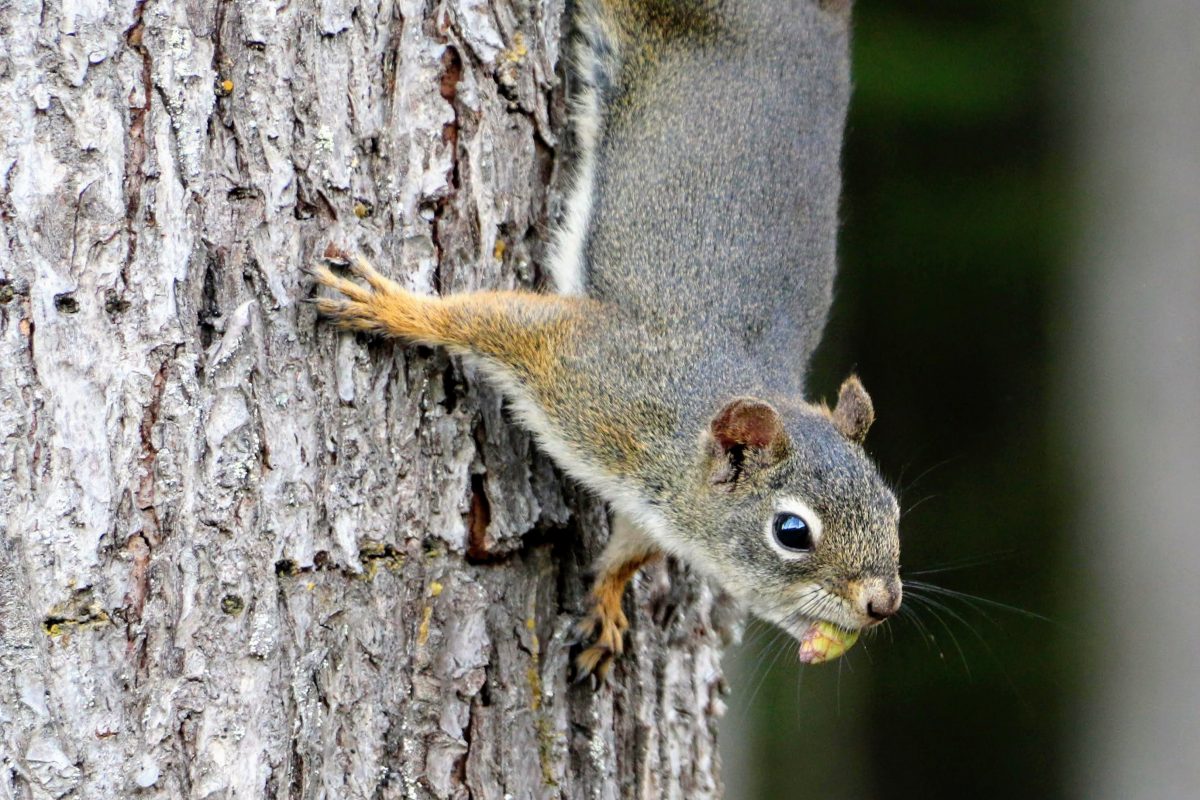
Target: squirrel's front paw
(359, 307)
(604, 631)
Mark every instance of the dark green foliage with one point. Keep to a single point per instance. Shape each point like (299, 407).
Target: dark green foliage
(954, 228)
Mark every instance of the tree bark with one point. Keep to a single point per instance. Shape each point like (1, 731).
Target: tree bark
(242, 555)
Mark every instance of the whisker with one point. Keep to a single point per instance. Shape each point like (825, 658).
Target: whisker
(909, 613)
(968, 598)
(991, 653)
(933, 609)
(918, 504)
(928, 470)
(800, 673)
(965, 563)
(760, 639)
(840, 662)
(779, 650)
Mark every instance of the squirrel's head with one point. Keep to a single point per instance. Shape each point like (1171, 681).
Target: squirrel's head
(803, 528)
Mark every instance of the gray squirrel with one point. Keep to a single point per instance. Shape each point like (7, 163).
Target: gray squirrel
(694, 272)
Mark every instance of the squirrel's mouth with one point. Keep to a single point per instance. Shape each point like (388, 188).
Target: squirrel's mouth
(823, 641)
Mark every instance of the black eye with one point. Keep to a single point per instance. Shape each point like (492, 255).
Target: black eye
(792, 533)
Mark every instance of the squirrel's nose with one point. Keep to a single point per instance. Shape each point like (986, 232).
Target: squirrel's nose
(881, 600)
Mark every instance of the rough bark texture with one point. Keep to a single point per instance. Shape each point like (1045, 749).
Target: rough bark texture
(243, 556)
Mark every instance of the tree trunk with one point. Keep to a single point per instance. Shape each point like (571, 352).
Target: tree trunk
(242, 555)
(1131, 379)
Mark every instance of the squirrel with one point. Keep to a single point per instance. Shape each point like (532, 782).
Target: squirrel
(694, 273)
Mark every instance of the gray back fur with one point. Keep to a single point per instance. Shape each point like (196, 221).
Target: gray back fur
(716, 195)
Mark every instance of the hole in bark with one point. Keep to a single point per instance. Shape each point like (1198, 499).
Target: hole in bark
(244, 193)
(66, 303)
(304, 209)
(296, 768)
(434, 211)
(232, 605)
(209, 310)
(449, 389)
(479, 516)
(250, 274)
(451, 75)
(307, 202)
(114, 304)
(570, 557)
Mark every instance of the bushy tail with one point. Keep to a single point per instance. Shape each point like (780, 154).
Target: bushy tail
(594, 66)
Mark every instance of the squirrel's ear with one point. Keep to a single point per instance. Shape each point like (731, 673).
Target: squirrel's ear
(854, 412)
(745, 435)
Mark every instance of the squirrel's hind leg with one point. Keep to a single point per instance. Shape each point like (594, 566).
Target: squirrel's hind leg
(604, 627)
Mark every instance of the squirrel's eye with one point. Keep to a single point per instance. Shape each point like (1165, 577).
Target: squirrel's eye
(792, 533)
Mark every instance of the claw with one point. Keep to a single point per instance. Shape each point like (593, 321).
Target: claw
(580, 675)
(593, 663)
(362, 269)
(355, 306)
(605, 628)
(329, 308)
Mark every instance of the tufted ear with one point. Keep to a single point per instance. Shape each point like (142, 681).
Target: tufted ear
(854, 412)
(746, 435)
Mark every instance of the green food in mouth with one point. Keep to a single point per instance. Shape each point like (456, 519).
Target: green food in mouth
(824, 641)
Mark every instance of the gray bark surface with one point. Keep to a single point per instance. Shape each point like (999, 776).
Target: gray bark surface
(242, 555)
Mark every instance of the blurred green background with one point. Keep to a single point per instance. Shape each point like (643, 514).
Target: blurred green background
(956, 226)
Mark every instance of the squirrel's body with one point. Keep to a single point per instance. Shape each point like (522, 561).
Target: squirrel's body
(722, 122)
(695, 268)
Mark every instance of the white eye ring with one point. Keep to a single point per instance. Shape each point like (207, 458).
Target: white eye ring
(798, 508)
